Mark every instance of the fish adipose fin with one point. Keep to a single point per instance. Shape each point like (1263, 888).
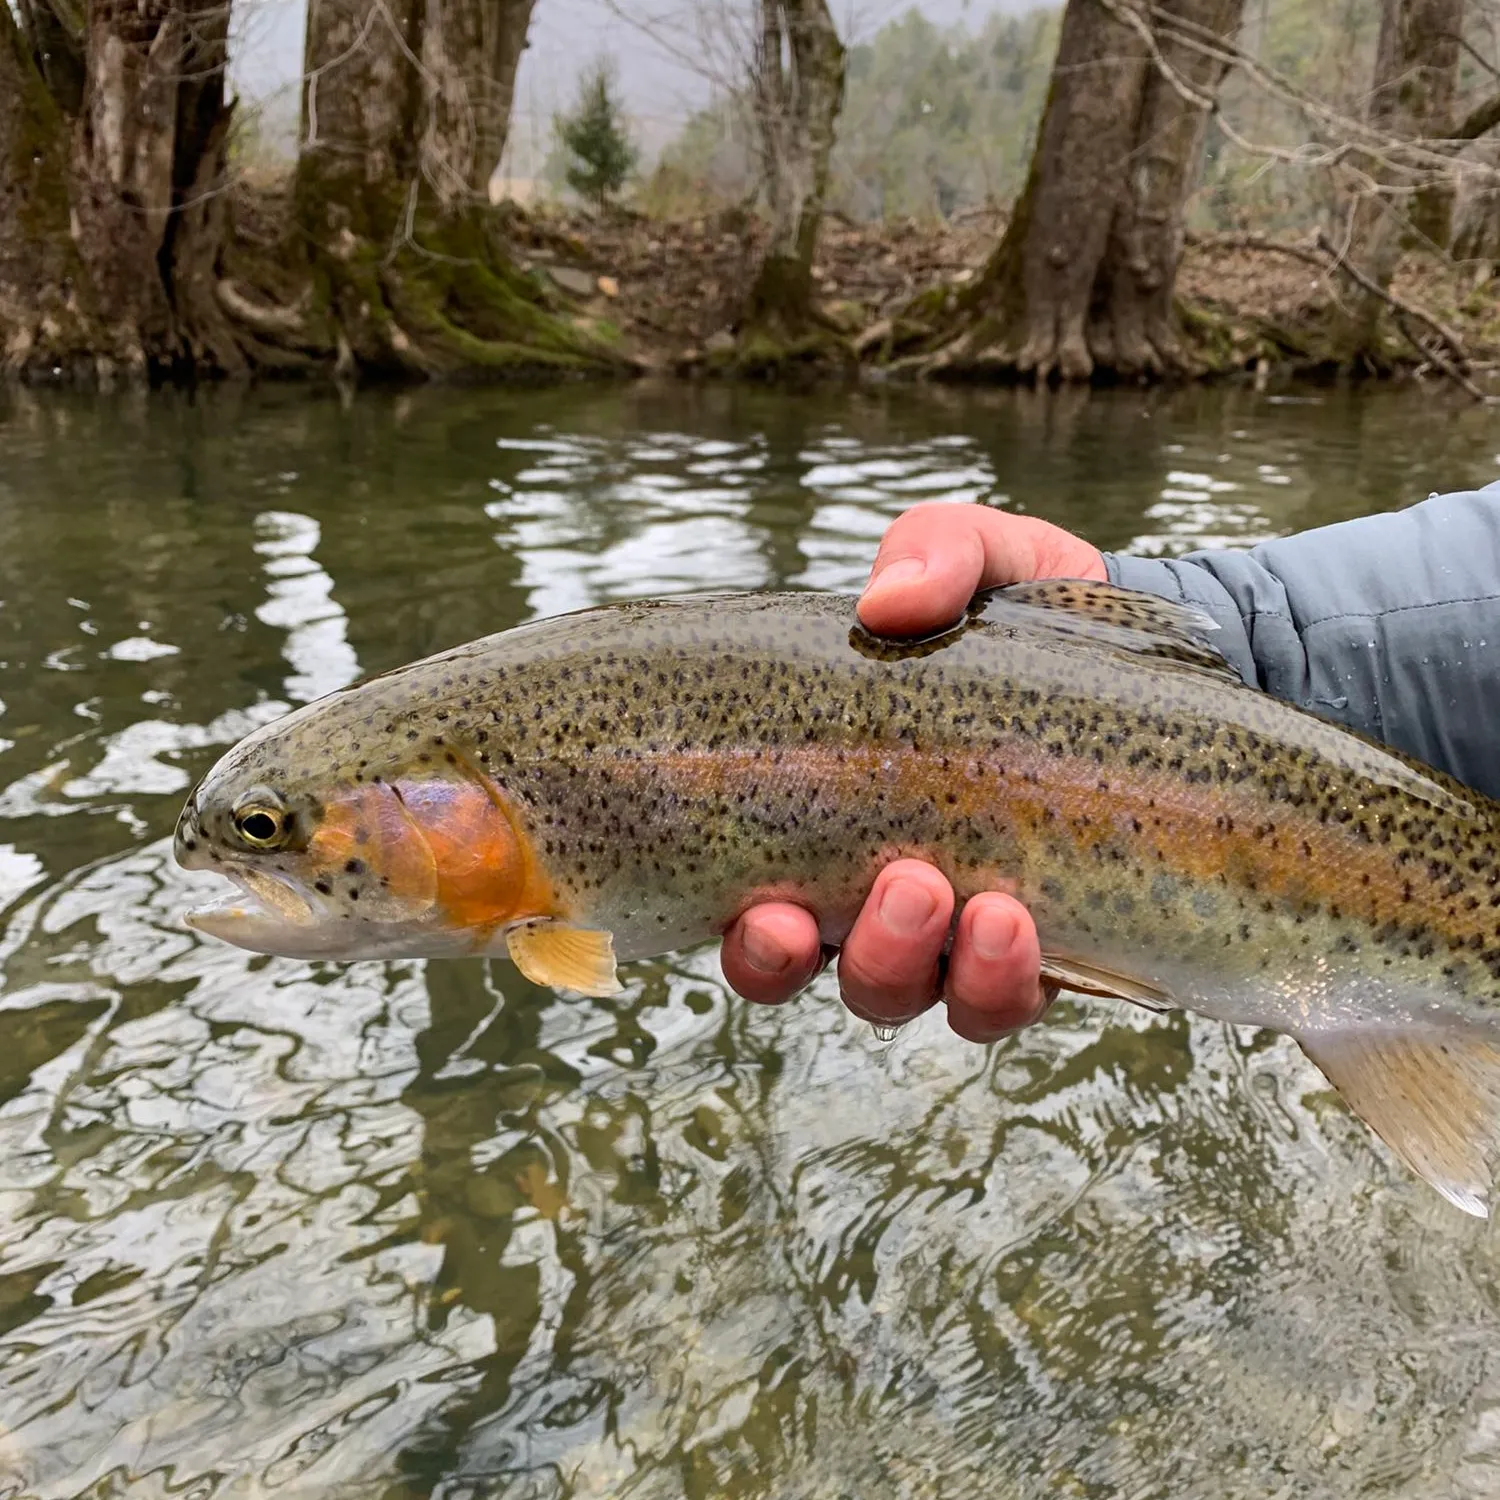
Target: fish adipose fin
(1433, 1098)
(1122, 618)
(564, 957)
(1090, 979)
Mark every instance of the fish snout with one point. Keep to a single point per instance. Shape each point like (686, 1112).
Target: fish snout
(188, 847)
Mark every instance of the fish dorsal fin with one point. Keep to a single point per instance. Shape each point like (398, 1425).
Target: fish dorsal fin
(1433, 1098)
(1124, 618)
(565, 957)
(1093, 979)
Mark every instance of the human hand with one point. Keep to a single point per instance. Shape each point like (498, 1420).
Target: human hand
(933, 560)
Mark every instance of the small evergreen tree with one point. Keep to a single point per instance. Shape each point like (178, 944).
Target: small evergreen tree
(599, 149)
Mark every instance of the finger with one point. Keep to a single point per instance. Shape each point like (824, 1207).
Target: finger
(936, 556)
(771, 952)
(888, 968)
(994, 975)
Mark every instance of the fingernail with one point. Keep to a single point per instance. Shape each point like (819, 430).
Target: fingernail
(992, 932)
(764, 953)
(903, 570)
(906, 907)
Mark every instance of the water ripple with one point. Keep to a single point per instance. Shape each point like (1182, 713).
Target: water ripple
(387, 1230)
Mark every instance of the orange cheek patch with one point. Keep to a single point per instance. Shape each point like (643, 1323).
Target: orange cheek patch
(370, 833)
(485, 875)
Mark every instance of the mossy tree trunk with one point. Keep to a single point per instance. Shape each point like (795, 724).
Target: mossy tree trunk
(1082, 281)
(115, 172)
(799, 89)
(115, 249)
(47, 312)
(402, 126)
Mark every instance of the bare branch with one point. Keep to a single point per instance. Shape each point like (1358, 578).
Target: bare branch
(1418, 160)
(1480, 120)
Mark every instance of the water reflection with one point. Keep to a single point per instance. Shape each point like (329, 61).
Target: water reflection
(399, 1231)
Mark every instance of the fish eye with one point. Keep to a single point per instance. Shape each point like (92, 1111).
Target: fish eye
(261, 821)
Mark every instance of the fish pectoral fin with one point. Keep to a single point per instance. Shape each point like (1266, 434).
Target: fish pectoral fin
(1093, 979)
(1123, 618)
(565, 957)
(1433, 1098)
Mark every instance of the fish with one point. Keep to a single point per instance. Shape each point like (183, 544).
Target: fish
(624, 782)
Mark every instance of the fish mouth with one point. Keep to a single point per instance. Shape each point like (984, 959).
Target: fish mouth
(259, 911)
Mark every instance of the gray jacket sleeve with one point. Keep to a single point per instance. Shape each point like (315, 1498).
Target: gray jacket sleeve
(1389, 624)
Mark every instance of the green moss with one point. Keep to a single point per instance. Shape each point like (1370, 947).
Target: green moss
(448, 303)
(1217, 342)
(761, 353)
(38, 158)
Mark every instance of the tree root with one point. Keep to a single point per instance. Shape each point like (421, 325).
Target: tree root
(452, 307)
(1042, 351)
(268, 321)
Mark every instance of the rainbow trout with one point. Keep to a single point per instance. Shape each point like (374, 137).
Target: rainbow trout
(624, 782)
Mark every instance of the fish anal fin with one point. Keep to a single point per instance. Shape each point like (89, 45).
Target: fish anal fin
(564, 957)
(1094, 979)
(1124, 618)
(1433, 1098)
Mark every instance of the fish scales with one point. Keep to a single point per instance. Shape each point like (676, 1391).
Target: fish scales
(648, 771)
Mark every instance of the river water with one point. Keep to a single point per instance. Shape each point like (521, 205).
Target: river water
(275, 1229)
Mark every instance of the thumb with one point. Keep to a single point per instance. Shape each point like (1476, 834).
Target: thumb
(936, 557)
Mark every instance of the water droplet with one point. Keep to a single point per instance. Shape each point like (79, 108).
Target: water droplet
(884, 1033)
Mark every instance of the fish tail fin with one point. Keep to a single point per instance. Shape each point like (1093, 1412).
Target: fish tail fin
(1432, 1096)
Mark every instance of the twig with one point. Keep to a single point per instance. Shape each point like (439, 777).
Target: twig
(1441, 361)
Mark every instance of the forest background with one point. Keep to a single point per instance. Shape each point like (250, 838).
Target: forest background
(1103, 190)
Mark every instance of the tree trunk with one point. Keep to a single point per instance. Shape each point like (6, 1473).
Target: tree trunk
(46, 312)
(1411, 96)
(1431, 43)
(1082, 281)
(1476, 234)
(56, 51)
(390, 194)
(490, 41)
(799, 88)
(149, 160)
(110, 252)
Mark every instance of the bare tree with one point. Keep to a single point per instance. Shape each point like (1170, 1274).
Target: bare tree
(1411, 98)
(777, 67)
(1082, 281)
(403, 122)
(798, 87)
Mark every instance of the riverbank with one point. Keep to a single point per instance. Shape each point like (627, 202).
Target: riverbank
(654, 296)
(1250, 305)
